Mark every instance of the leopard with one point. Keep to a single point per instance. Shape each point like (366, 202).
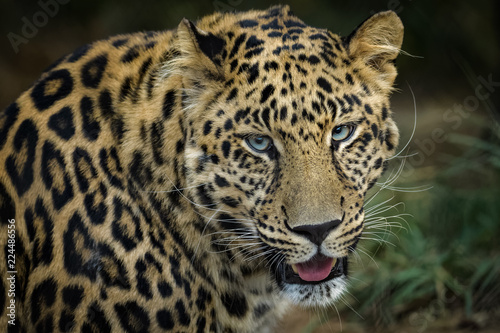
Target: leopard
(208, 178)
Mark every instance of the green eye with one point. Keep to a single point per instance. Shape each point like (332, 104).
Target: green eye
(342, 133)
(260, 143)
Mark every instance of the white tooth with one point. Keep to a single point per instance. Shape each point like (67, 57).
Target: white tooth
(294, 268)
(334, 262)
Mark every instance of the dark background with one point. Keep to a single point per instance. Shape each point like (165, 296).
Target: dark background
(442, 272)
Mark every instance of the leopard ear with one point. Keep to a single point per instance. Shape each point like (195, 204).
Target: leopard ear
(377, 42)
(200, 49)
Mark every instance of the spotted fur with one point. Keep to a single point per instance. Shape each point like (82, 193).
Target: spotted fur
(141, 201)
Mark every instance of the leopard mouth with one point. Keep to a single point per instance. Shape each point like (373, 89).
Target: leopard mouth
(318, 269)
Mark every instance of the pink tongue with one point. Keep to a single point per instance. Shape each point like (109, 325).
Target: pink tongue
(316, 269)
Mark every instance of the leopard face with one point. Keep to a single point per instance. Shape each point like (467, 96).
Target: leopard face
(197, 179)
(284, 144)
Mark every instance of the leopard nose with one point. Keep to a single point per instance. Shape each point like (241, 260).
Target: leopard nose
(317, 233)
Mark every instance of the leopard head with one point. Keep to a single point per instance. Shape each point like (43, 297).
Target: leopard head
(287, 127)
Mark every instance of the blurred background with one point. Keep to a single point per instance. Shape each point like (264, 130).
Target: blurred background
(429, 260)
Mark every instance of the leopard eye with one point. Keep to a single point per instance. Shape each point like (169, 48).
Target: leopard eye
(342, 133)
(260, 143)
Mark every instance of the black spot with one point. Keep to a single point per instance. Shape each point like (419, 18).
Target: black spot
(7, 120)
(325, 85)
(247, 23)
(97, 209)
(106, 104)
(348, 79)
(233, 65)
(231, 202)
(378, 163)
(117, 128)
(235, 304)
(157, 130)
(253, 41)
(228, 222)
(97, 321)
(271, 65)
(207, 128)
(42, 298)
(182, 315)
(385, 113)
(316, 107)
(56, 86)
(241, 114)
(221, 181)
(226, 148)
(203, 298)
(367, 137)
(143, 285)
(140, 171)
(24, 146)
(125, 88)
(388, 138)
(165, 320)
(200, 324)
(228, 125)
(318, 36)
(368, 109)
(375, 130)
(91, 128)
(55, 176)
(168, 104)
(66, 321)
(232, 94)
(77, 241)
(84, 169)
(272, 25)
(254, 73)
(254, 52)
(237, 44)
(40, 231)
(298, 47)
(111, 269)
(93, 71)
(126, 227)
(133, 318)
(72, 296)
(111, 166)
(165, 289)
(131, 54)
(265, 117)
(266, 92)
(62, 123)
(179, 146)
(283, 113)
(120, 42)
